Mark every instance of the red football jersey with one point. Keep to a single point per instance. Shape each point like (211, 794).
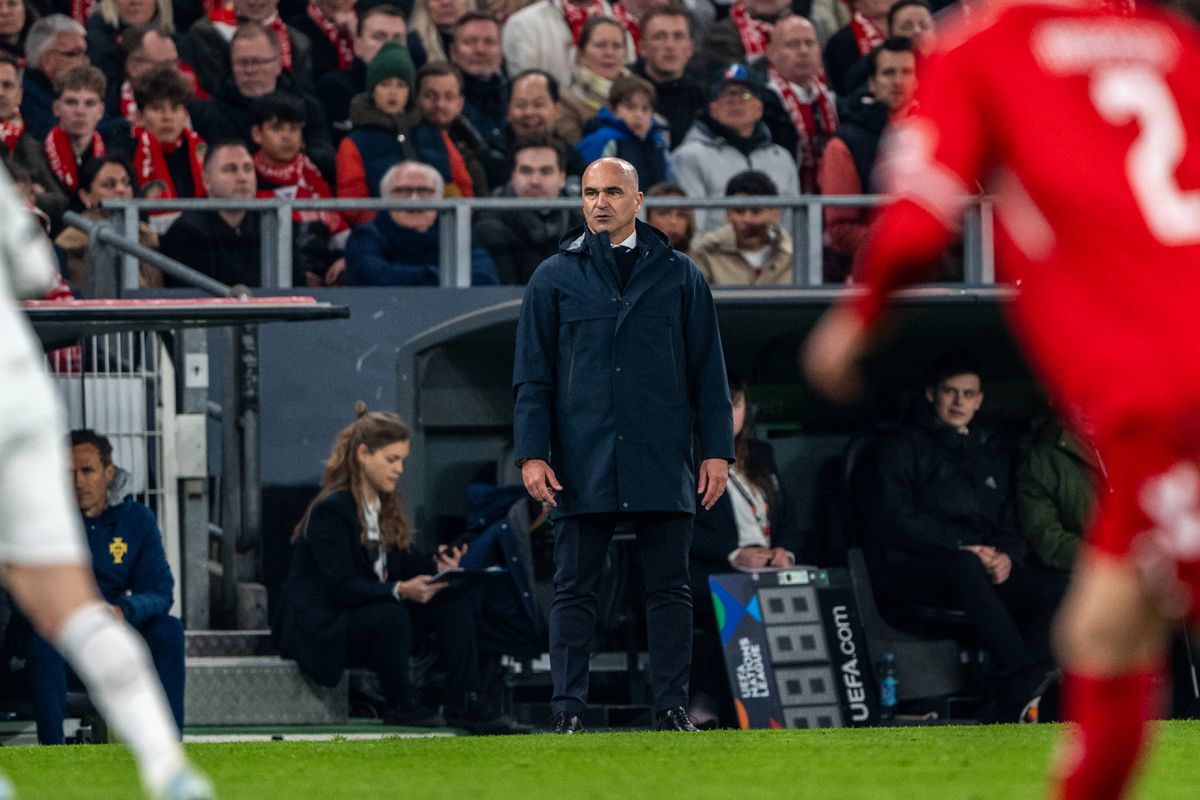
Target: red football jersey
(1086, 128)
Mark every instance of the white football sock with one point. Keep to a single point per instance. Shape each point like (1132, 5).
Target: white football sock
(115, 665)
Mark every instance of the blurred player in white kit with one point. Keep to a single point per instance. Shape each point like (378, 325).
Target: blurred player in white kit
(44, 559)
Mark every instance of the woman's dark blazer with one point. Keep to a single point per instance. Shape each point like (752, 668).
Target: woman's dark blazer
(715, 533)
(330, 575)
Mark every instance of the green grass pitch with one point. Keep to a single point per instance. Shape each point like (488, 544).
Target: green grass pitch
(989, 763)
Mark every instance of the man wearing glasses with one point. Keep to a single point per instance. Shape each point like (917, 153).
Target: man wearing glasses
(257, 71)
(400, 248)
(54, 45)
(729, 137)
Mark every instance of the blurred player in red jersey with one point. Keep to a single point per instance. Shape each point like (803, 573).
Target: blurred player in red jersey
(1083, 125)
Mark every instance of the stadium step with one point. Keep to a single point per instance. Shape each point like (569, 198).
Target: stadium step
(229, 643)
(258, 690)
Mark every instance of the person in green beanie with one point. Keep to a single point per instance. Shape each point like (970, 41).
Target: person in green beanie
(379, 137)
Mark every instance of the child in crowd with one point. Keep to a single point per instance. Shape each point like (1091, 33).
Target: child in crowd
(752, 248)
(379, 136)
(286, 173)
(628, 129)
(679, 224)
(79, 107)
(168, 156)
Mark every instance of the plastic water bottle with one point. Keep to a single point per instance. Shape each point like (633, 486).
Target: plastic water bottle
(887, 688)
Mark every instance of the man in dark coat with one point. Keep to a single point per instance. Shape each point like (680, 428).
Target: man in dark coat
(618, 361)
(943, 532)
(257, 72)
(400, 248)
(520, 239)
(666, 47)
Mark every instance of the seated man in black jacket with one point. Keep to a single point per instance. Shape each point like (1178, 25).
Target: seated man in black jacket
(943, 532)
(521, 238)
(225, 245)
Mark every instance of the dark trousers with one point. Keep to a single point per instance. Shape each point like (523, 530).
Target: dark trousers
(1011, 619)
(382, 636)
(49, 673)
(580, 549)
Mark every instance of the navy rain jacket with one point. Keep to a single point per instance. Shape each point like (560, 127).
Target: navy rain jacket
(610, 385)
(129, 561)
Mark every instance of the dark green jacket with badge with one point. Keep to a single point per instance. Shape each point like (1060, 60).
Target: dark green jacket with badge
(610, 384)
(1056, 495)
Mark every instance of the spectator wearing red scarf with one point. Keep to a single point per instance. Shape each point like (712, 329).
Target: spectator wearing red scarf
(207, 44)
(799, 110)
(167, 155)
(330, 26)
(79, 108)
(24, 151)
(846, 48)
(740, 39)
(284, 172)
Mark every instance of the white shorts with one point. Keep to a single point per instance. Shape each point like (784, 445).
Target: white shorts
(39, 520)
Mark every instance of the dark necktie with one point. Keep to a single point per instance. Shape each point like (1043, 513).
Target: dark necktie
(625, 257)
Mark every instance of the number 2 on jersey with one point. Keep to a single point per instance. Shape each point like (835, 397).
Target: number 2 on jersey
(1130, 92)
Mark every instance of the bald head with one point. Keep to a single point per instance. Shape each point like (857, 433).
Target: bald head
(794, 50)
(614, 167)
(611, 199)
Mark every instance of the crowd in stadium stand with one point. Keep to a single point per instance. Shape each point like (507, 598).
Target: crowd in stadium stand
(326, 96)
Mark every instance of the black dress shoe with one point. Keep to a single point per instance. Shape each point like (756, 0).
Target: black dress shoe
(566, 722)
(675, 719)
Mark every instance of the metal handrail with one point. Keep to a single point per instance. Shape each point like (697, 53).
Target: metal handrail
(103, 232)
(806, 226)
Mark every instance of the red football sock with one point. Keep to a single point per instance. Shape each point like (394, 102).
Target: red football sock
(1110, 716)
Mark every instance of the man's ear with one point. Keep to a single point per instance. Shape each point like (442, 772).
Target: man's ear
(110, 472)
(929, 394)
(256, 134)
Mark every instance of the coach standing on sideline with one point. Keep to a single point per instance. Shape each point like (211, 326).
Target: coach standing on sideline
(618, 361)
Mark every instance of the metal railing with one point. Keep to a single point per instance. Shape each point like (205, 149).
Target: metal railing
(806, 225)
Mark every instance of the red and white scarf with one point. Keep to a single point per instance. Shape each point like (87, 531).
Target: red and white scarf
(10, 133)
(285, 42)
(336, 36)
(866, 35)
(754, 33)
(225, 19)
(81, 10)
(804, 120)
(150, 166)
(61, 156)
(1120, 8)
(298, 180)
(628, 22)
(577, 15)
